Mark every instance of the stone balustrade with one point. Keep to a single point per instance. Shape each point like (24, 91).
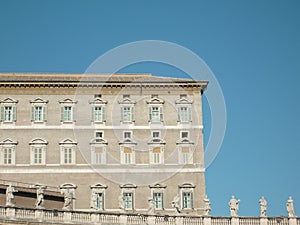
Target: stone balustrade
(104, 218)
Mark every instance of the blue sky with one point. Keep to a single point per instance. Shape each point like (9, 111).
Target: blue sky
(253, 48)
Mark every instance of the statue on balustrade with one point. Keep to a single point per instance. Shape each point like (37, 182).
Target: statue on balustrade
(40, 191)
(234, 206)
(263, 206)
(68, 197)
(151, 207)
(121, 201)
(10, 190)
(175, 203)
(207, 207)
(290, 207)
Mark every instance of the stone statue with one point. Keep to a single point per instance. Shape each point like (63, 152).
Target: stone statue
(263, 207)
(234, 206)
(93, 202)
(10, 190)
(207, 207)
(121, 201)
(290, 207)
(151, 207)
(40, 197)
(175, 203)
(68, 197)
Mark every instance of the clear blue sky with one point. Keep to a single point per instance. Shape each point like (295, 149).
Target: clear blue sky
(253, 48)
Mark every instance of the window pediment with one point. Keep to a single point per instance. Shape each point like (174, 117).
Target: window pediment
(158, 186)
(67, 101)
(98, 101)
(129, 186)
(9, 101)
(98, 186)
(157, 141)
(68, 142)
(156, 100)
(68, 186)
(186, 185)
(98, 141)
(8, 141)
(127, 141)
(39, 100)
(183, 101)
(126, 101)
(38, 141)
(184, 141)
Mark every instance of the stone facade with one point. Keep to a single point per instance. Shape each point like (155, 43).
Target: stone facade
(128, 143)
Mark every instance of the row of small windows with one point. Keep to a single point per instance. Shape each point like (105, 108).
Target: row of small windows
(184, 200)
(99, 152)
(8, 110)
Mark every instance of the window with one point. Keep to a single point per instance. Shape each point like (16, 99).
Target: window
(99, 154)
(99, 134)
(38, 110)
(156, 114)
(97, 196)
(126, 96)
(187, 196)
(184, 135)
(68, 151)
(8, 110)
(7, 154)
(67, 114)
(127, 114)
(127, 134)
(183, 95)
(156, 155)
(67, 111)
(155, 134)
(187, 200)
(184, 114)
(128, 200)
(158, 200)
(38, 151)
(98, 114)
(185, 155)
(127, 155)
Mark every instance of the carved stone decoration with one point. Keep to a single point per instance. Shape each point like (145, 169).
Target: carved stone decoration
(207, 207)
(151, 207)
(40, 192)
(97, 196)
(290, 207)
(68, 190)
(10, 190)
(175, 203)
(121, 201)
(263, 206)
(234, 206)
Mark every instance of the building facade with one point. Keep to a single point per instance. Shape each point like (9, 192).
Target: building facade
(113, 143)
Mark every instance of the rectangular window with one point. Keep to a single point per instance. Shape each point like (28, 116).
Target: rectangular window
(127, 135)
(7, 156)
(183, 95)
(187, 200)
(128, 201)
(158, 200)
(37, 155)
(156, 114)
(99, 134)
(184, 134)
(127, 114)
(157, 155)
(99, 156)
(155, 134)
(68, 155)
(38, 113)
(8, 114)
(98, 114)
(184, 114)
(67, 114)
(186, 156)
(99, 201)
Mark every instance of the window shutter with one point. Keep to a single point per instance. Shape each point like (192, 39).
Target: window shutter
(62, 114)
(122, 112)
(192, 200)
(1, 113)
(161, 113)
(73, 113)
(32, 113)
(150, 113)
(14, 113)
(132, 114)
(189, 113)
(103, 114)
(45, 113)
(93, 113)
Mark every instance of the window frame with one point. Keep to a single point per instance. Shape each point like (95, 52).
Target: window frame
(70, 118)
(71, 146)
(4, 146)
(8, 102)
(35, 144)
